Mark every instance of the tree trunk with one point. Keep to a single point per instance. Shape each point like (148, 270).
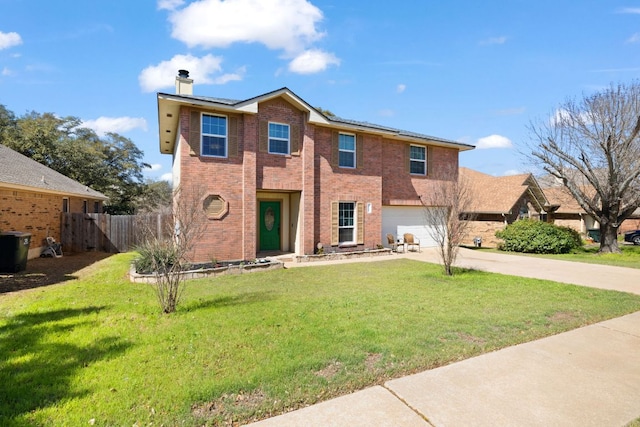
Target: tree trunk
(608, 239)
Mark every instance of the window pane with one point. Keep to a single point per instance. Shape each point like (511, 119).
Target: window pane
(214, 146)
(418, 167)
(214, 125)
(418, 153)
(347, 142)
(278, 146)
(214, 136)
(277, 130)
(347, 159)
(346, 151)
(345, 235)
(278, 138)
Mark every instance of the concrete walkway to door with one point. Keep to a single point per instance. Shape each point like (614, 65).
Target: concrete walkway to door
(586, 377)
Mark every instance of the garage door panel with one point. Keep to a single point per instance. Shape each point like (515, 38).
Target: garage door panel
(398, 220)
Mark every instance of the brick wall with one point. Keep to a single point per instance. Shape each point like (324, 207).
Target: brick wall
(363, 184)
(35, 213)
(486, 230)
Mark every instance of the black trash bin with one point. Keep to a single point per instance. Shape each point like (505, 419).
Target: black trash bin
(14, 251)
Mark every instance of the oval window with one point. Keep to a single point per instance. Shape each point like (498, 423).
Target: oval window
(269, 219)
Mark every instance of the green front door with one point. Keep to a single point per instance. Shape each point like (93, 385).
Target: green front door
(269, 226)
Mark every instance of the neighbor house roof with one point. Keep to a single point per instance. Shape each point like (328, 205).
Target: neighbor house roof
(561, 196)
(499, 194)
(169, 109)
(20, 172)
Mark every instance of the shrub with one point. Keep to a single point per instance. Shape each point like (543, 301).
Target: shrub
(155, 256)
(538, 237)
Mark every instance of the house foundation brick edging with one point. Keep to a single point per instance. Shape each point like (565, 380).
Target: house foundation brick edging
(343, 255)
(209, 272)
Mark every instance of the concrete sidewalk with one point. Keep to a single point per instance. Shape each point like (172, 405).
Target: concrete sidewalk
(585, 377)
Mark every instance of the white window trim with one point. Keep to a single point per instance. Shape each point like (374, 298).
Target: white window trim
(288, 140)
(354, 151)
(411, 159)
(226, 136)
(354, 227)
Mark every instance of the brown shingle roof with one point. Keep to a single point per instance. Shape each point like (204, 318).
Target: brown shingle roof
(19, 170)
(561, 196)
(493, 194)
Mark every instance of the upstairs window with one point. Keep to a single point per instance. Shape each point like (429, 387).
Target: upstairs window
(418, 160)
(214, 136)
(346, 150)
(279, 138)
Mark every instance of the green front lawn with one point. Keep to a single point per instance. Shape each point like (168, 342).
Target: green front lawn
(96, 351)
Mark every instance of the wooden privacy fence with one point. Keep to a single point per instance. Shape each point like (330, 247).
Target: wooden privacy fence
(81, 232)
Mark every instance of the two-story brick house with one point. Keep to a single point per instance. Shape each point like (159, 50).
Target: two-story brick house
(278, 175)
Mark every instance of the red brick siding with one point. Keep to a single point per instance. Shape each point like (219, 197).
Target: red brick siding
(203, 176)
(342, 184)
(36, 213)
(398, 184)
(274, 171)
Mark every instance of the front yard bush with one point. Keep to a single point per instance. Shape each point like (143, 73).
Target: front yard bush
(538, 237)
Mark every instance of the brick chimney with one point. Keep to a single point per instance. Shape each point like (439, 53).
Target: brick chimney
(184, 85)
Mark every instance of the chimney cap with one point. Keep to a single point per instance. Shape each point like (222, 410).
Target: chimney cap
(183, 74)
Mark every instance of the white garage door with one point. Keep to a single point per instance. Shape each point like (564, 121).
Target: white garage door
(398, 220)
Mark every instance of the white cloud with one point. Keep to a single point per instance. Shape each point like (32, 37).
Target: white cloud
(103, 125)
(511, 172)
(635, 38)
(401, 88)
(201, 70)
(8, 40)
(312, 61)
(155, 167)
(494, 40)
(169, 4)
(565, 118)
(167, 177)
(287, 25)
(632, 10)
(6, 72)
(493, 141)
(230, 77)
(278, 24)
(386, 113)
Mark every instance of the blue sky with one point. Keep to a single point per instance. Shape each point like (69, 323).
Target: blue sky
(471, 71)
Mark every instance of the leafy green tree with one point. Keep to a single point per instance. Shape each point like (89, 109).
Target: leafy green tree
(156, 196)
(111, 164)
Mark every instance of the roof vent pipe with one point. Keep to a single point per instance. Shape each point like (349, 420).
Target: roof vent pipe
(184, 85)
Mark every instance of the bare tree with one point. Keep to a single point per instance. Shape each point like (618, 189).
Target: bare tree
(447, 211)
(166, 252)
(593, 147)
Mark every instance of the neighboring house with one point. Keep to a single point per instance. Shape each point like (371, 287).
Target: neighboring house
(498, 201)
(32, 196)
(278, 175)
(571, 214)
